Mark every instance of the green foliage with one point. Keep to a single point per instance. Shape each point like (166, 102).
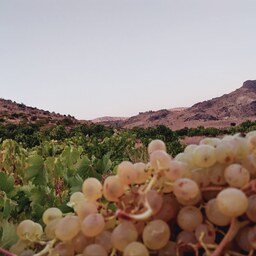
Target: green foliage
(41, 168)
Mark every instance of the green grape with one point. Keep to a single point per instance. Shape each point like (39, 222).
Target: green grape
(93, 224)
(51, 214)
(136, 249)
(67, 228)
(92, 189)
(123, 234)
(156, 234)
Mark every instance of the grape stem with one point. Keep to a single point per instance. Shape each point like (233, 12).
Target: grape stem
(151, 183)
(46, 249)
(235, 225)
(141, 216)
(6, 253)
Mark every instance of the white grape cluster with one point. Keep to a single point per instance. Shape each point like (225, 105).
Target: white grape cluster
(201, 202)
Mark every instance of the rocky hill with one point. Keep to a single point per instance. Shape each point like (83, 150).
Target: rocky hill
(228, 109)
(18, 113)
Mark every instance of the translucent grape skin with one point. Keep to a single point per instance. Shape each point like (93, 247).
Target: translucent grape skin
(156, 234)
(112, 188)
(67, 228)
(189, 217)
(126, 173)
(215, 215)
(136, 249)
(92, 189)
(169, 209)
(156, 145)
(51, 214)
(204, 156)
(232, 202)
(185, 189)
(26, 230)
(95, 250)
(93, 225)
(236, 175)
(123, 234)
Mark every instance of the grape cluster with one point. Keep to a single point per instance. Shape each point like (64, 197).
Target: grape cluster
(202, 202)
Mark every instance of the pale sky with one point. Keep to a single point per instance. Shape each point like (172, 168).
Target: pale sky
(92, 58)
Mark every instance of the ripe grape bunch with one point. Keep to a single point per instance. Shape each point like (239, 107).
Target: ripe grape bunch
(201, 202)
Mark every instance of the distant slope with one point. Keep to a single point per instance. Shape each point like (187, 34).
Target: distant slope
(232, 108)
(235, 107)
(17, 113)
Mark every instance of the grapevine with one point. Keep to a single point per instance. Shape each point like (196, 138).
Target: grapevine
(202, 202)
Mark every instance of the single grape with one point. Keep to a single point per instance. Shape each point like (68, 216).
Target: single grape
(95, 250)
(112, 188)
(156, 145)
(51, 214)
(236, 175)
(93, 224)
(26, 230)
(232, 202)
(92, 189)
(185, 189)
(189, 217)
(169, 210)
(156, 234)
(67, 228)
(126, 173)
(123, 234)
(204, 156)
(136, 249)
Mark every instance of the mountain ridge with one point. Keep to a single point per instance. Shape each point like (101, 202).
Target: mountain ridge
(229, 109)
